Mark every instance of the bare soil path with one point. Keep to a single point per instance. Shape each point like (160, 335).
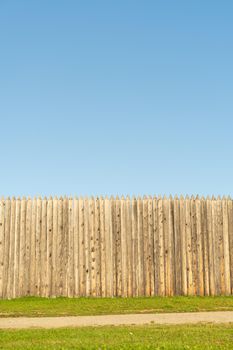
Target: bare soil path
(104, 320)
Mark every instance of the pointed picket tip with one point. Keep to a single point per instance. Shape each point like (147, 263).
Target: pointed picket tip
(207, 197)
(229, 198)
(159, 197)
(2, 198)
(213, 198)
(128, 197)
(197, 197)
(28, 198)
(164, 197)
(219, 197)
(18, 198)
(117, 197)
(187, 197)
(202, 198)
(176, 197)
(181, 197)
(122, 197)
(139, 198)
(133, 197)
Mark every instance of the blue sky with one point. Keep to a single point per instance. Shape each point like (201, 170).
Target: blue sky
(116, 97)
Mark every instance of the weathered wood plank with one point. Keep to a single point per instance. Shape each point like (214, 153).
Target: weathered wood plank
(2, 244)
(10, 282)
(177, 247)
(54, 286)
(226, 250)
(141, 276)
(200, 273)
(161, 248)
(183, 246)
(102, 247)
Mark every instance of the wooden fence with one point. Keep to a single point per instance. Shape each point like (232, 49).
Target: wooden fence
(116, 247)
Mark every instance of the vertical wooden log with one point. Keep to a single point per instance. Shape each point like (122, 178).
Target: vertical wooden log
(97, 247)
(204, 229)
(141, 276)
(123, 247)
(38, 246)
(200, 274)
(49, 250)
(177, 247)
(146, 246)
(10, 284)
(156, 246)
(6, 258)
(129, 247)
(82, 266)
(161, 247)
(71, 281)
(66, 243)
(22, 247)
(230, 232)
(211, 230)
(114, 245)
(118, 248)
(2, 241)
(215, 246)
(54, 287)
(226, 247)
(108, 248)
(188, 245)
(92, 246)
(76, 248)
(44, 247)
(194, 244)
(134, 247)
(60, 248)
(219, 271)
(28, 244)
(220, 246)
(33, 250)
(151, 246)
(171, 248)
(87, 247)
(17, 248)
(166, 245)
(183, 245)
(102, 247)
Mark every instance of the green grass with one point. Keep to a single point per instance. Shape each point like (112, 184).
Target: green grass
(132, 337)
(35, 307)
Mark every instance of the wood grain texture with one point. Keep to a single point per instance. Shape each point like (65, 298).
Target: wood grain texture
(123, 247)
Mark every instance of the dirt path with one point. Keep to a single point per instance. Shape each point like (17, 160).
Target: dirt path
(103, 320)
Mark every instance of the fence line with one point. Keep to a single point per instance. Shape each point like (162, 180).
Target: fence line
(108, 247)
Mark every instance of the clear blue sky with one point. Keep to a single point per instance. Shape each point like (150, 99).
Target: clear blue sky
(116, 97)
